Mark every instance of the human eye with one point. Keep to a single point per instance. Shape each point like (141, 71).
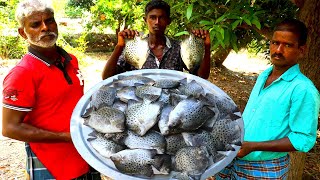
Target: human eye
(289, 45)
(50, 20)
(34, 24)
(153, 17)
(274, 42)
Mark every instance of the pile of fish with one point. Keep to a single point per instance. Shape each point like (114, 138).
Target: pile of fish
(192, 51)
(154, 126)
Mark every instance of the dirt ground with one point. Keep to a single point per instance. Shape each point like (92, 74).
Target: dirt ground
(237, 80)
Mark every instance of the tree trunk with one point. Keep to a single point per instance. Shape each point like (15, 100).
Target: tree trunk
(309, 13)
(297, 162)
(310, 64)
(220, 55)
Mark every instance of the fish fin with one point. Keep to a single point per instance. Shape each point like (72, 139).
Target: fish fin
(182, 176)
(228, 147)
(184, 81)
(218, 157)
(238, 143)
(93, 134)
(233, 116)
(132, 102)
(87, 112)
(121, 77)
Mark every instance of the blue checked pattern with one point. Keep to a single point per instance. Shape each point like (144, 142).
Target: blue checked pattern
(37, 171)
(276, 169)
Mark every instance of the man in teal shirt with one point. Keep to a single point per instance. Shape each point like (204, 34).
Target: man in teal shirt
(282, 112)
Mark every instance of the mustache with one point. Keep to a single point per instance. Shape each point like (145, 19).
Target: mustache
(278, 55)
(47, 34)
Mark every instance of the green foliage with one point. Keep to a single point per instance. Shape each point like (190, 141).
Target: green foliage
(83, 4)
(231, 23)
(12, 47)
(117, 13)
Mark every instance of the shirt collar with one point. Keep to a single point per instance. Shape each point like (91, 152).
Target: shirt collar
(168, 41)
(290, 74)
(34, 53)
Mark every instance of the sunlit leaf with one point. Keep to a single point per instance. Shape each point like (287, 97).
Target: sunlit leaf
(182, 33)
(189, 11)
(204, 22)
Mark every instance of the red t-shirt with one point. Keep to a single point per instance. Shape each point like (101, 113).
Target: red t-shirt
(35, 86)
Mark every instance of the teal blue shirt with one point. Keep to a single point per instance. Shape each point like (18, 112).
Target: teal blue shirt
(288, 107)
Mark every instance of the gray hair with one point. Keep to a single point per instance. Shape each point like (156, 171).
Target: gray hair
(27, 7)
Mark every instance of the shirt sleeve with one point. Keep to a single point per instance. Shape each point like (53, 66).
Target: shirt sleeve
(304, 117)
(18, 90)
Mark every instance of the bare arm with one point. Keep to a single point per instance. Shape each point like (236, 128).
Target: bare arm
(13, 127)
(204, 69)
(281, 145)
(110, 67)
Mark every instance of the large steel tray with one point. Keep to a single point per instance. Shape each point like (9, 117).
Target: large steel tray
(79, 132)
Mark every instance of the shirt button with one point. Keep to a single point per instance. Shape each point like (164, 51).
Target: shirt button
(253, 110)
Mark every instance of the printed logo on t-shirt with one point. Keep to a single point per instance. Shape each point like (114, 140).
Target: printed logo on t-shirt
(11, 94)
(80, 77)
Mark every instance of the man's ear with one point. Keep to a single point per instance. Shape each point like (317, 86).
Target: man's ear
(169, 21)
(22, 33)
(303, 50)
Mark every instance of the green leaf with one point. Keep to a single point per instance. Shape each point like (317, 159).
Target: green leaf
(236, 23)
(206, 23)
(256, 23)
(234, 43)
(216, 44)
(227, 37)
(222, 44)
(221, 18)
(182, 33)
(201, 3)
(189, 11)
(247, 21)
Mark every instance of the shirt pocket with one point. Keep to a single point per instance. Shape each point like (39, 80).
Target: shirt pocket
(276, 113)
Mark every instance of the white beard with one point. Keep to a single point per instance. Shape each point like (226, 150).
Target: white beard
(44, 44)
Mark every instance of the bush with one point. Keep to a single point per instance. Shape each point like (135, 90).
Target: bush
(12, 47)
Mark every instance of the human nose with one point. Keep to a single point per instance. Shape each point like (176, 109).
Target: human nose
(44, 26)
(279, 48)
(157, 21)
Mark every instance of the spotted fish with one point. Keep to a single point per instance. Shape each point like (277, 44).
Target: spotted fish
(142, 116)
(192, 161)
(136, 51)
(151, 140)
(227, 131)
(106, 120)
(102, 145)
(134, 80)
(189, 114)
(135, 161)
(192, 51)
(105, 96)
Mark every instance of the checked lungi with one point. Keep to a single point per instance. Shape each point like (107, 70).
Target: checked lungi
(275, 169)
(37, 171)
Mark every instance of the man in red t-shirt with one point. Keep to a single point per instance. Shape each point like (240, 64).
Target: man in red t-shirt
(39, 95)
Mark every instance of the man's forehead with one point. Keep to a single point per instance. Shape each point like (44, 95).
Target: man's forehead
(39, 14)
(157, 11)
(285, 35)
